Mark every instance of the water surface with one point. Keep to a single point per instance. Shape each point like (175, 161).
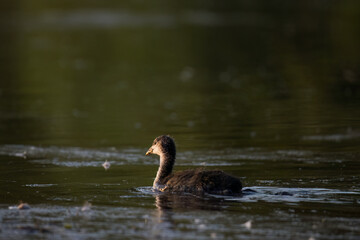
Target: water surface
(266, 91)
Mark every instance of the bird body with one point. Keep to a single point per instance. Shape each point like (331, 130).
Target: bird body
(198, 181)
(203, 181)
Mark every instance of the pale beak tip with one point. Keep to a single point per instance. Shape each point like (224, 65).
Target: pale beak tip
(148, 152)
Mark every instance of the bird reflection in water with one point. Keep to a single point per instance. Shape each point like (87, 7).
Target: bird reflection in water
(169, 204)
(169, 201)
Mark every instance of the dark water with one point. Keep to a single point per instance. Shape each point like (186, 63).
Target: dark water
(268, 91)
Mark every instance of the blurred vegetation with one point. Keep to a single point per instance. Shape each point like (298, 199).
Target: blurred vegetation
(234, 73)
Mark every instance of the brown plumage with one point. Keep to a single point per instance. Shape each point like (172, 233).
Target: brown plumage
(196, 181)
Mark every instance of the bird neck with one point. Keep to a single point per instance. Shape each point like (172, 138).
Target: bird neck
(166, 165)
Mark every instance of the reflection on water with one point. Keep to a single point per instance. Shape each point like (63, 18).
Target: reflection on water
(268, 91)
(81, 157)
(186, 202)
(242, 75)
(334, 137)
(297, 189)
(182, 216)
(94, 19)
(166, 201)
(119, 209)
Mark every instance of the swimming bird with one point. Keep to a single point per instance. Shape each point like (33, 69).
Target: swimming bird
(198, 181)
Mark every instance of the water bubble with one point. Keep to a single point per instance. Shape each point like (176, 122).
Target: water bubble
(106, 165)
(248, 224)
(86, 206)
(137, 125)
(186, 74)
(190, 124)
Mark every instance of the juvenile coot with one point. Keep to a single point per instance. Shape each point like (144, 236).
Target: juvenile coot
(196, 181)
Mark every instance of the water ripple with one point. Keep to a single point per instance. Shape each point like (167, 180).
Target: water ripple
(83, 157)
(297, 195)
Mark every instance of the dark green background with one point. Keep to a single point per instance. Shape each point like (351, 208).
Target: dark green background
(267, 90)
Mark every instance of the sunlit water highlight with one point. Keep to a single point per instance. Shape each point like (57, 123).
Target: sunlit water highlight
(122, 206)
(268, 91)
(81, 157)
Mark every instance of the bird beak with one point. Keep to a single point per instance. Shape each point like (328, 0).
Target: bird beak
(150, 151)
